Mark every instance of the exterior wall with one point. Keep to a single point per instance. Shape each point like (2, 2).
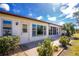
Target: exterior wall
(59, 28)
(59, 32)
(17, 29)
(0, 26)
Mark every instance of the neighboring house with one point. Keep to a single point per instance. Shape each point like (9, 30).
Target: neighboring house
(27, 29)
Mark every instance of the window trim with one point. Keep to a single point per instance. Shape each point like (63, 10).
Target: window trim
(50, 30)
(24, 28)
(34, 30)
(54, 31)
(3, 26)
(37, 30)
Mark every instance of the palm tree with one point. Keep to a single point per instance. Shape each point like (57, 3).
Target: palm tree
(69, 28)
(76, 15)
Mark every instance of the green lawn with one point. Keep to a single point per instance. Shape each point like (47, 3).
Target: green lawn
(76, 35)
(74, 49)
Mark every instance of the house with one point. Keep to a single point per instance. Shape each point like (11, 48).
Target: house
(27, 29)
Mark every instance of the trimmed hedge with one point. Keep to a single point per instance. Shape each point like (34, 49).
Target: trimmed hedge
(8, 43)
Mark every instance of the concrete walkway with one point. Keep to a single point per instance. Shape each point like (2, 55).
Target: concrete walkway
(30, 49)
(33, 51)
(56, 42)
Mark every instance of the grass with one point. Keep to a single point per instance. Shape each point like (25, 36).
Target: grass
(76, 35)
(74, 49)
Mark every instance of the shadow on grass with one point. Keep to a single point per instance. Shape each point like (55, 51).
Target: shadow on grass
(70, 44)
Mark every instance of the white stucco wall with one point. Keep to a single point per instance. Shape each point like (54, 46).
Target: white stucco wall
(17, 29)
(0, 26)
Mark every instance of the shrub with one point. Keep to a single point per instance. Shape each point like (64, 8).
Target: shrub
(45, 49)
(64, 40)
(55, 48)
(8, 43)
(68, 40)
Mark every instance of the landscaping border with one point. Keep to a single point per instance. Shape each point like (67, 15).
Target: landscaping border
(60, 52)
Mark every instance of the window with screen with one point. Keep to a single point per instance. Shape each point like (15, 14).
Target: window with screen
(24, 28)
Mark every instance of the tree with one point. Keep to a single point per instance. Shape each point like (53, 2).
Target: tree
(76, 15)
(69, 28)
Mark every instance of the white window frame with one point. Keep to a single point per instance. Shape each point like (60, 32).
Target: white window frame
(36, 30)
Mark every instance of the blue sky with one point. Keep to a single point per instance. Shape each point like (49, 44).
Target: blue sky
(58, 13)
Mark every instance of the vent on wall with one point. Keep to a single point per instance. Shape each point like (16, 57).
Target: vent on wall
(16, 23)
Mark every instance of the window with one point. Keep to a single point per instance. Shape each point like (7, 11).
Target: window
(54, 30)
(24, 28)
(44, 30)
(50, 30)
(38, 30)
(7, 28)
(59, 30)
(34, 30)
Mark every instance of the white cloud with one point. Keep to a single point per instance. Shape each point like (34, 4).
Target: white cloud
(64, 6)
(61, 15)
(61, 23)
(5, 6)
(39, 18)
(70, 10)
(30, 14)
(52, 18)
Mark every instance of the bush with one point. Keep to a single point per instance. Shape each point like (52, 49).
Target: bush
(8, 43)
(55, 48)
(45, 49)
(64, 40)
(68, 40)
